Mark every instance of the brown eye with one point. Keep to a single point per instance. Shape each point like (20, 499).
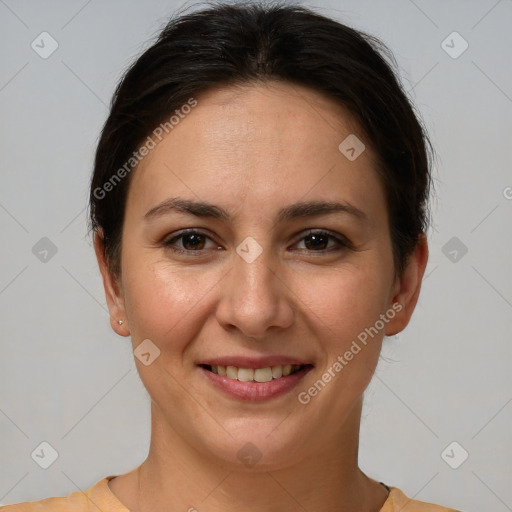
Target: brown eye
(191, 241)
(313, 242)
(321, 241)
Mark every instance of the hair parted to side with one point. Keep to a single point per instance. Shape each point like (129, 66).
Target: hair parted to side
(224, 44)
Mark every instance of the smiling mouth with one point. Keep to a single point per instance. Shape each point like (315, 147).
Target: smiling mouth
(266, 374)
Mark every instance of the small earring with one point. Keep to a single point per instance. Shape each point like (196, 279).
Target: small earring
(120, 322)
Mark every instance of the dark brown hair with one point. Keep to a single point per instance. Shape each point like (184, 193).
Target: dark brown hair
(225, 44)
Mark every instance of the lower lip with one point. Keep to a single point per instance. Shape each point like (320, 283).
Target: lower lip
(255, 391)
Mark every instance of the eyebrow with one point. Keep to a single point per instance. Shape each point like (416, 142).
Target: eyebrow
(290, 212)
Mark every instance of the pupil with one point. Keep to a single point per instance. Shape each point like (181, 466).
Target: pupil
(318, 241)
(192, 241)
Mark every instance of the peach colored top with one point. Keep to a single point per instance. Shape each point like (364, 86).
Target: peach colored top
(99, 498)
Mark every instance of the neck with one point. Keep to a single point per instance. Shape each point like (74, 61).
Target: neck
(326, 478)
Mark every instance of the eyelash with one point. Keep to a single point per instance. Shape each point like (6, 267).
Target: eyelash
(343, 242)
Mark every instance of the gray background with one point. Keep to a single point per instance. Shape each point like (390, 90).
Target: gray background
(67, 379)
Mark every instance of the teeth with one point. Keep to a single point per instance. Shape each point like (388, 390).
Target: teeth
(263, 374)
(232, 372)
(255, 375)
(277, 371)
(245, 374)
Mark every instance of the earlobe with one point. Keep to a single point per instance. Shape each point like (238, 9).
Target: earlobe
(112, 288)
(408, 288)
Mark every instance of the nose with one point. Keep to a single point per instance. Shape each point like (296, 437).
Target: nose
(255, 299)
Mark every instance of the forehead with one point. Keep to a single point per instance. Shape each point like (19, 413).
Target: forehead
(263, 143)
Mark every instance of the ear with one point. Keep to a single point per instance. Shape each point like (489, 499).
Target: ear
(113, 290)
(407, 288)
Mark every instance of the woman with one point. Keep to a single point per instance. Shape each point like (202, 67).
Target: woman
(259, 207)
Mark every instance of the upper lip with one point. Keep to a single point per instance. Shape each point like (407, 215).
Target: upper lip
(253, 362)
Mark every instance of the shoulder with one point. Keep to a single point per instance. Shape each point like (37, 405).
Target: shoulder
(96, 499)
(73, 502)
(398, 501)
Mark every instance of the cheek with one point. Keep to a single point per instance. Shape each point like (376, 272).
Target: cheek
(161, 300)
(164, 305)
(347, 300)
(345, 307)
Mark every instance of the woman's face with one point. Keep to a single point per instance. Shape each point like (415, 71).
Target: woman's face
(273, 274)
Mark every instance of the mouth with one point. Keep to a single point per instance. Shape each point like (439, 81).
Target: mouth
(254, 382)
(266, 374)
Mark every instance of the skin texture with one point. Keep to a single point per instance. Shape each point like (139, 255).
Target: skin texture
(253, 150)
